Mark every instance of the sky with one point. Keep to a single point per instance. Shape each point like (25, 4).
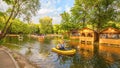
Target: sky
(51, 8)
(3, 5)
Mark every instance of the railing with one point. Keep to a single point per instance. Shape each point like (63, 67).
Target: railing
(13, 35)
(87, 39)
(110, 41)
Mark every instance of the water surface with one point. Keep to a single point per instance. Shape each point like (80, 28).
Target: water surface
(87, 56)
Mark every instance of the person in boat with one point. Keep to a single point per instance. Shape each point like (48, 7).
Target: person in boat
(61, 45)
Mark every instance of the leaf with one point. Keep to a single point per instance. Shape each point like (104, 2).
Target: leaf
(1, 13)
(9, 1)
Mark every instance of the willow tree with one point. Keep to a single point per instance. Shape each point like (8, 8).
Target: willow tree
(46, 26)
(23, 9)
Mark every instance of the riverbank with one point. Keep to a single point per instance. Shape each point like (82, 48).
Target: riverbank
(20, 59)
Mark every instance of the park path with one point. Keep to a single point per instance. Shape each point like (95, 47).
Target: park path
(6, 60)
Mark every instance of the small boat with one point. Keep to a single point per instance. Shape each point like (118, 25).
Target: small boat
(64, 52)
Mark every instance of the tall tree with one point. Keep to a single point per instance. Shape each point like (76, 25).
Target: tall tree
(2, 20)
(46, 25)
(65, 23)
(98, 12)
(68, 23)
(21, 9)
(81, 11)
(19, 27)
(104, 11)
(56, 28)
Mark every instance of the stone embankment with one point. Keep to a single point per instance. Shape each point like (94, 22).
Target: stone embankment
(19, 60)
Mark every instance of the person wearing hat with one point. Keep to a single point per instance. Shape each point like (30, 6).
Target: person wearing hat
(60, 46)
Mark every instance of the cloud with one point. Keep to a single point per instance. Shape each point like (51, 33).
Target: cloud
(67, 8)
(53, 9)
(48, 8)
(56, 20)
(44, 11)
(3, 6)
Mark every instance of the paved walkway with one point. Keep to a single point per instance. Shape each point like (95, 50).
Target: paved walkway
(6, 60)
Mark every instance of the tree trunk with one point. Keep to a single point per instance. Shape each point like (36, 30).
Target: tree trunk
(84, 20)
(7, 25)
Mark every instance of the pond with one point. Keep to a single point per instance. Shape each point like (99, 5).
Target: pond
(87, 56)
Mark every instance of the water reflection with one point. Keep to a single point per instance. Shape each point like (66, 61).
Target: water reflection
(87, 56)
(111, 55)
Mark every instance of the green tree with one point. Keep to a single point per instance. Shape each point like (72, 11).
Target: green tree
(19, 27)
(34, 28)
(65, 23)
(56, 28)
(46, 25)
(81, 11)
(16, 27)
(19, 8)
(103, 12)
(2, 22)
(96, 12)
(111, 24)
(68, 22)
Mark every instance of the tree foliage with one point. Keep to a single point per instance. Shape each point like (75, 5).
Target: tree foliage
(19, 27)
(56, 28)
(81, 11)
(23, 9)
(46, 25)
(68, 22)
(2, 22)
(91, 12)
(103, 11)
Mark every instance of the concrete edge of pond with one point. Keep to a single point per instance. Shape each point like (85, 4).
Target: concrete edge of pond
(15, 63)
(19, 60)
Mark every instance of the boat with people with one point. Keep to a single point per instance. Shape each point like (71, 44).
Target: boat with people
(64, 52)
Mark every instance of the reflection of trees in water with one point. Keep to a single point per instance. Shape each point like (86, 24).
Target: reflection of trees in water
(84, 58)
(80, 61)
(64, 59)
(45, 40)
(15, 40)
(11, 39)
(29, 52)
(100, 62)
(111, 55)
(97, 60)
(45, 48)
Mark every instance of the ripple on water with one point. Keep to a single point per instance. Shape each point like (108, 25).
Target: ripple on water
(42, 61)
